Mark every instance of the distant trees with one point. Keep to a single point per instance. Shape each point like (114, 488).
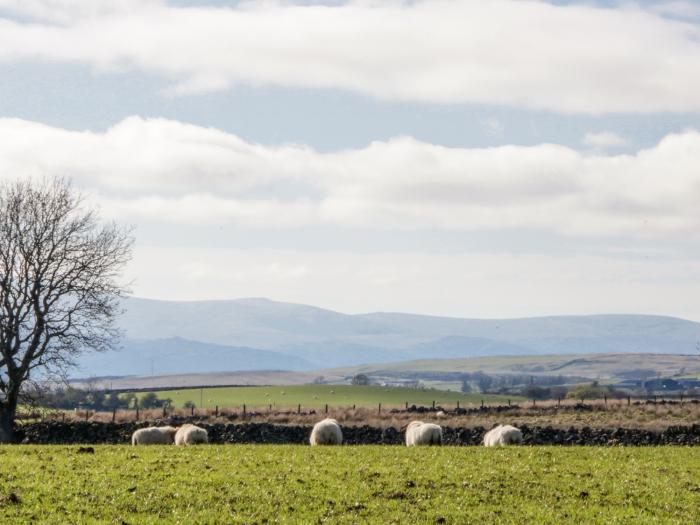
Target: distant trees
(151, 400)
(483, 381)
(593, 391)
(536, 392)
(59, 285)
(70, 398)
(360, 379)
(466, 386)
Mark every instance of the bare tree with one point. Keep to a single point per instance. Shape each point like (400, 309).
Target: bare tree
(59, 285)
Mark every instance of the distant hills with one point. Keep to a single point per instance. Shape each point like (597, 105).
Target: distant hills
(592, 366)
(172, 337)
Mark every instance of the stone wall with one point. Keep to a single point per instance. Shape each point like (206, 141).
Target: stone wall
(113, 433)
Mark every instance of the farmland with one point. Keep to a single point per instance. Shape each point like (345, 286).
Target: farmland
(594, 366)
(316, 396)
(349, 484)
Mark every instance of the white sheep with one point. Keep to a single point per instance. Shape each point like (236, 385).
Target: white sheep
(419, 433)
(154, 436)
(189, 434)
(326, 432)
(503, 435)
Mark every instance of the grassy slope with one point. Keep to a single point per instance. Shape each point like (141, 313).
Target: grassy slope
(370, 484)
(586, 365)
(319, 395)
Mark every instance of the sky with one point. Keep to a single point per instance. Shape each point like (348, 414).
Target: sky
(509, 158)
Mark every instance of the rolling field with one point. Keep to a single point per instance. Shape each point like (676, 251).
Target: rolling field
(597, 366)
(350, 484)
(316, 396)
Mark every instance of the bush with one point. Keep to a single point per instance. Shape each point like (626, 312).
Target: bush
(151, 400)
(360, 379)
(592, 391)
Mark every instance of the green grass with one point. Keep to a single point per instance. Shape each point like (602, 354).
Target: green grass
(317, 396)
(594, 366)
(351, 484)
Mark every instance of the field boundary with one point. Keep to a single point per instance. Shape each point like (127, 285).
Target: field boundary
(267, 433)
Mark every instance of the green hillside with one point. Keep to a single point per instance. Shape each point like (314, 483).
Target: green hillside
(317, 396)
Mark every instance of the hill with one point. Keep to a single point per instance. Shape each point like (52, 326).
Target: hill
(594, 366)
(249, 334)
(176, 355)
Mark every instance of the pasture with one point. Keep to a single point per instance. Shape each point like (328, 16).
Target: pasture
(317, 396)
(349, 484)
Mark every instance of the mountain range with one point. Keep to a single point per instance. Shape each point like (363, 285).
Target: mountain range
(176, 337)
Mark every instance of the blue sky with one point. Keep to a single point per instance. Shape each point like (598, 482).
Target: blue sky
(499, 159)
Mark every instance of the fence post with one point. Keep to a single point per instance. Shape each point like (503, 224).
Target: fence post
(509, 402)
(326, 408)
(137, 410)
(63, 417)
(558, 402)
(482, 403)
(243, 409)
(433, 405)
(165, 411)
(605, 399)
(379, 411)
(114, 415)
(533, 402)
(458, 404)
(654, 399)
(406, 405)
(87, 414)
(353, 407)
(216, 411)
(192, 410)
(299, 408)
(629, 400)
(681, 398)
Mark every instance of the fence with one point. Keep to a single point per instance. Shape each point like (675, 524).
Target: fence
(246, 411)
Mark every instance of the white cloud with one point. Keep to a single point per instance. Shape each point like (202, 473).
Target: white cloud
(605, 139)
(522, 53)
(165, 171)
(67, 11)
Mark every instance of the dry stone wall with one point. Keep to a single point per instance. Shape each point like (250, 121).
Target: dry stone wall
(120, 433)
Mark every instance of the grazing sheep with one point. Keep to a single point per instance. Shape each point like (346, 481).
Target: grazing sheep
(440, 413)
(503, 435)
(191, 435)
(419, 433)
(154, 436)
(326, 432)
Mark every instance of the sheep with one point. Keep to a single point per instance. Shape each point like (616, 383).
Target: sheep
(154, 436)
(189, 434)
(326, 432)
(503, 435)
(419, 433)
(440, 413)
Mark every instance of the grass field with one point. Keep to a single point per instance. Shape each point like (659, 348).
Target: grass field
(366, 484)
(598, 366)
(316, 396)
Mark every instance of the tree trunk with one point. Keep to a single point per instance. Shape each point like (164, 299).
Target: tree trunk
(7, 425)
